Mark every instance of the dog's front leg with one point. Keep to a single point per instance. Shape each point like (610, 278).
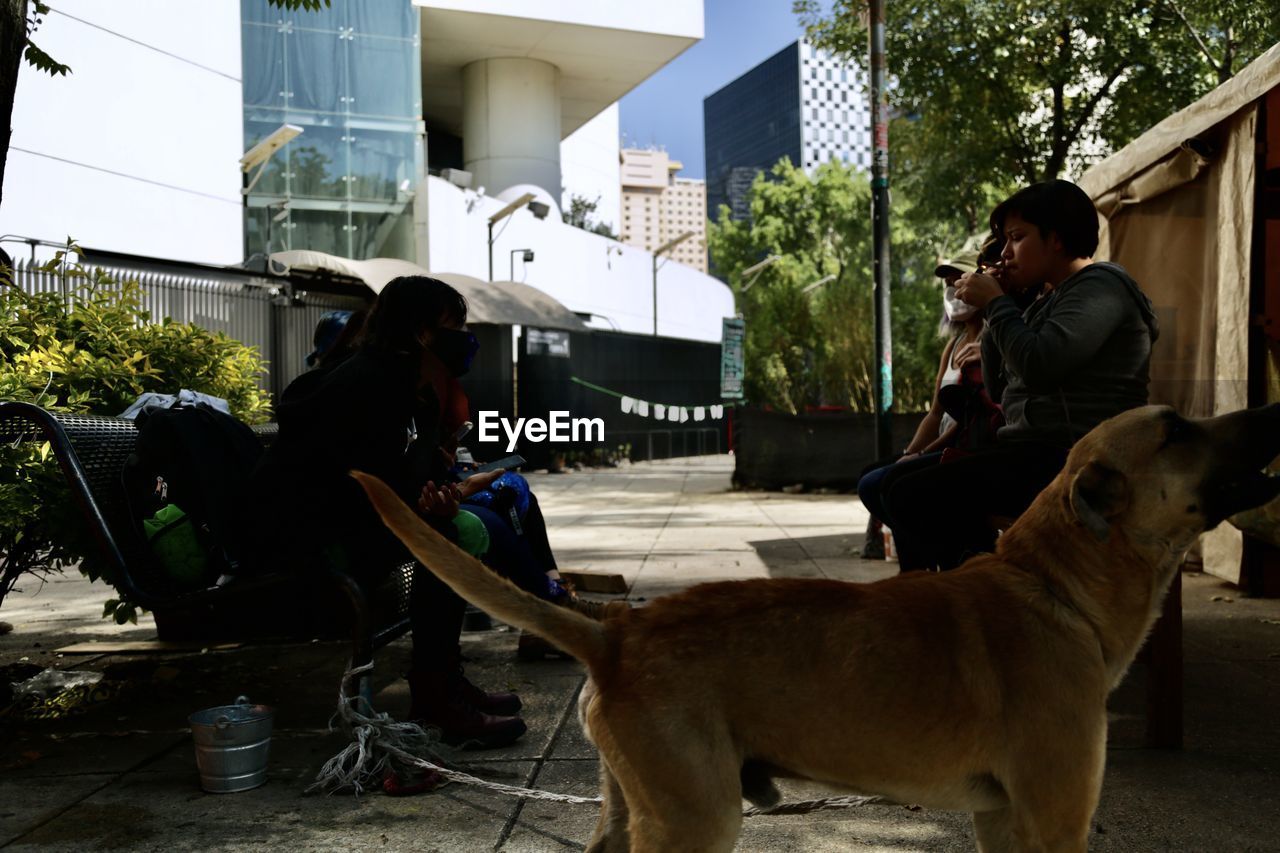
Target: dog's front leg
(611, 829)
(1053, 791)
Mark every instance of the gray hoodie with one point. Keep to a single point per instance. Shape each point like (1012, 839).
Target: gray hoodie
(1073, 359)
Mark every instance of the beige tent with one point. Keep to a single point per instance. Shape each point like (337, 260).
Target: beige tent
(1192, 209)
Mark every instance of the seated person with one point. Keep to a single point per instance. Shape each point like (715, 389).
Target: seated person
(961, 324)
(379, 411)
(1077, 355)
(521, 551)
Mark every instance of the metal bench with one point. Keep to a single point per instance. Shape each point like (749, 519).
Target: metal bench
(91, 451)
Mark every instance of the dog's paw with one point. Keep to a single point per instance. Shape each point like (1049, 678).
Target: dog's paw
(757, 785)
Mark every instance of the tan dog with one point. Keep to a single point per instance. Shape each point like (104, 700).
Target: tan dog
(980, 690)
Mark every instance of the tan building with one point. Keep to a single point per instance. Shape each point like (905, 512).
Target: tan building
(657, 206)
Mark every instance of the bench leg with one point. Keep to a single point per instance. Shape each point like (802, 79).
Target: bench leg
(1164, 673)
(358, 687)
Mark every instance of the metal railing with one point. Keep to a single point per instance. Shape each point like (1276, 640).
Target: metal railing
(257, 311)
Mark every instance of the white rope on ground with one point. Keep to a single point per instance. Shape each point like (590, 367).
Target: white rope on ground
(806, 806)
(497, 787)
(380, 743)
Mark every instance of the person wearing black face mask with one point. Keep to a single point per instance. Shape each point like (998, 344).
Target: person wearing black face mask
(381, 410)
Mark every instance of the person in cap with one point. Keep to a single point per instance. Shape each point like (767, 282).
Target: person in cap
(939, 429)
(1078, 354)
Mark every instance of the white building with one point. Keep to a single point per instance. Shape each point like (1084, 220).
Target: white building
(137, 151)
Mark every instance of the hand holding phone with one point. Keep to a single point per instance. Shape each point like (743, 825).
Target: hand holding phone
(506, 463)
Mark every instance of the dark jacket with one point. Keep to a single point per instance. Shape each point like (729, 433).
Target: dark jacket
(1073, 359)
(361, 414)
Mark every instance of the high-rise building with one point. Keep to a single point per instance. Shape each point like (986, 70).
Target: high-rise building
(658, 206)
(802, 103)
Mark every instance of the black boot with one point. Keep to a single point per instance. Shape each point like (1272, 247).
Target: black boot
(497, 704)
(436, 702)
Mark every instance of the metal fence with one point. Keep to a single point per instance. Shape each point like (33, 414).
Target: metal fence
(258, 311)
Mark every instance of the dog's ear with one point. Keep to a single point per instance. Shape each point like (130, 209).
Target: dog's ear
(1098, 494)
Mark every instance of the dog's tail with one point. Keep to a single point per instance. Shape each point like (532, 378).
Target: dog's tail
(575, 633)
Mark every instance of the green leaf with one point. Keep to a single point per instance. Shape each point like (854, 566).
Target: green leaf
(37, 58)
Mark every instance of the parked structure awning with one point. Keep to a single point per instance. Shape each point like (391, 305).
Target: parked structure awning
(507, 303)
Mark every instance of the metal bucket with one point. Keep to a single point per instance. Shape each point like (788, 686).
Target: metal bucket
(232, 742)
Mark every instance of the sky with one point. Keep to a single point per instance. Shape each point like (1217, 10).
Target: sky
(666, 109)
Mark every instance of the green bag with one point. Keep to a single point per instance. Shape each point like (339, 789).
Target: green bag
(176, 544)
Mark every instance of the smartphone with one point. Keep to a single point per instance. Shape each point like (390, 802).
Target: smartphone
(508, 463)
(463, 430)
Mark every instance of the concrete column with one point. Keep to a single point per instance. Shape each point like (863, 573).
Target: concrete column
(511, 123)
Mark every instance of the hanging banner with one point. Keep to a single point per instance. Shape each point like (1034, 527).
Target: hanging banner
(732, 364)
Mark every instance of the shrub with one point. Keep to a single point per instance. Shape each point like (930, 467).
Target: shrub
(93, 351)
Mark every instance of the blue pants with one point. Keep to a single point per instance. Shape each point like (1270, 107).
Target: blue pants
(511, 556)
(875, 484)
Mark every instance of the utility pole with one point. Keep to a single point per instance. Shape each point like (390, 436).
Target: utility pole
(880, 227)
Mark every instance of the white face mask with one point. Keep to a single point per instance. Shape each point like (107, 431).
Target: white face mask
(957, 310)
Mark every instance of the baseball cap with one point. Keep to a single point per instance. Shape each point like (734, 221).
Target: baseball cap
(962, 262)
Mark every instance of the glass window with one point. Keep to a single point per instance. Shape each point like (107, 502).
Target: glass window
(318, 164)
(380, 162)
(384, 78)
(387, 18)
(259, 11)
(317, 71)
(262, 67)
(320, 231)
(387, 234)
(330, 17)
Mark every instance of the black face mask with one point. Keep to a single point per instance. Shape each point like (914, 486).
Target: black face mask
(455, 348)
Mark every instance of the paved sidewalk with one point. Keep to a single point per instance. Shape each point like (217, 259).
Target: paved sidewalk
(123, 776)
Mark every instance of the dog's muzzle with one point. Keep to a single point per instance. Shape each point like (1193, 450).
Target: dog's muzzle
(1244, 445)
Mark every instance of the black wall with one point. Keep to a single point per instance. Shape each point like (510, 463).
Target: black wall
(773, 449)
(657, 370)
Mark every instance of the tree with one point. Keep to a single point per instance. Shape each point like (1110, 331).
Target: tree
(582, 214)
(811, 347)
(19, 20)
(992, 94)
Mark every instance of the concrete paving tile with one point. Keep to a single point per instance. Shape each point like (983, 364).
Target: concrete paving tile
(855, 569)
(869, 828)
(544, 826)
(144, 812)
(28, 803)
(1205, 802)
(33, 756)
(704, 538)
(572, 743)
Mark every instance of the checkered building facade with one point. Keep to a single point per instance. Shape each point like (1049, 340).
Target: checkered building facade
(835, 116)
(802, 103)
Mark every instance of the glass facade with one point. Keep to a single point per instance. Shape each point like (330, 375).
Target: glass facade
(750, 124)
(350, 76)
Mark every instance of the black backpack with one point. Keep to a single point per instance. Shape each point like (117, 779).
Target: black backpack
(186, 483)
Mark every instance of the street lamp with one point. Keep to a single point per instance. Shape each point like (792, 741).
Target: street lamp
(528, 259)
(257, 157)
(755, 269)
(665, 247)
(809, 288)
(259, 154)
(501, 215)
